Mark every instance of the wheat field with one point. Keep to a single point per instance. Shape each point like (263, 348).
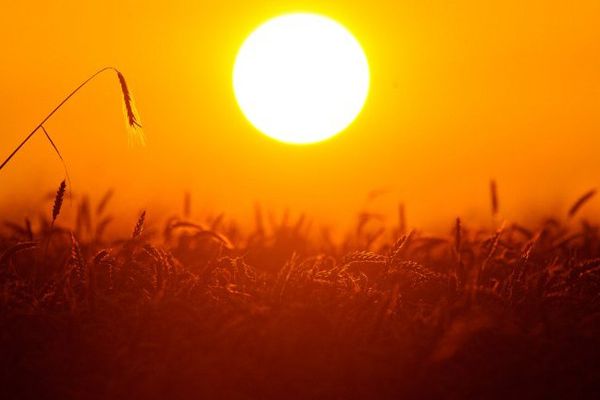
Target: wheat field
(201, 309)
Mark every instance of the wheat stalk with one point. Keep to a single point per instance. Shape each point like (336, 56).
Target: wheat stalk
(580, 202)
(494, 197)
(8, 253)
(139, 226)
(457, 236)
(133, 120)
(104, 202)
(58, 201)
(56, 207)
(62, 160)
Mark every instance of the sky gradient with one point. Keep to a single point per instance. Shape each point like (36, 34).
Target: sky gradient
(461, 92)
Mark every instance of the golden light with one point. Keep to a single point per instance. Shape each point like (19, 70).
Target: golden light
(301, 78)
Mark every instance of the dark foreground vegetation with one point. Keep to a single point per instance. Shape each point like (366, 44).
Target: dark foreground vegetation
(200, 310)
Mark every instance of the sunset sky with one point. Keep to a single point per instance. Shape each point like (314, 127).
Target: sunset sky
(461, 92)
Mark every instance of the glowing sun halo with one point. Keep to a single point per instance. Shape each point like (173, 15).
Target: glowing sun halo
(301, 78)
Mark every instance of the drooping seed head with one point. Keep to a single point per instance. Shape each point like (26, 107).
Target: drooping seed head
(133, 119)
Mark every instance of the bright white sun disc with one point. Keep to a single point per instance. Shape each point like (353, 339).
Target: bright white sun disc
(301, 78)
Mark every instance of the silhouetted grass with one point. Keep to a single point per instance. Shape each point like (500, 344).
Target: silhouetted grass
(133, 120)
(201, 310)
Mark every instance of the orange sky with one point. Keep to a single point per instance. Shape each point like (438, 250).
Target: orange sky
(461, 91)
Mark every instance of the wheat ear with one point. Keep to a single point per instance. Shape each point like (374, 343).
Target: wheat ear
(133, 120)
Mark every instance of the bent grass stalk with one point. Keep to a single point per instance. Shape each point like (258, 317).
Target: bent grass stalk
(580, 202)
(62, 160)
(132, 118)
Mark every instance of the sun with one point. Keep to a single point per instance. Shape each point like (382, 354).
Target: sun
(301, 78)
